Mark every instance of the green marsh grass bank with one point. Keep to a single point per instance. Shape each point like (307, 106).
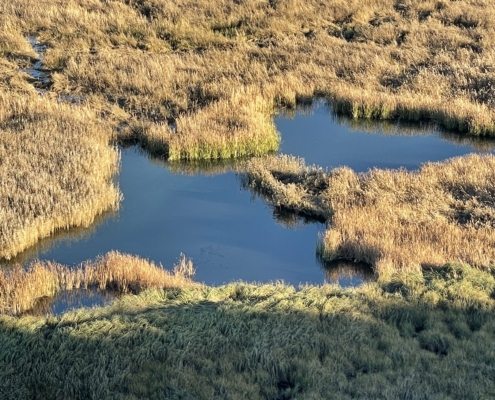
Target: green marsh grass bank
(422, 336)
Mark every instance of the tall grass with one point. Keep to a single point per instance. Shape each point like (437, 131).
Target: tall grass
(217, 73)
(159, 62)
(56, 169)
(21, 289)
(393, 220)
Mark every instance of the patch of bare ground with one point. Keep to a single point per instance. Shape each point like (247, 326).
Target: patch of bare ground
(393, 220)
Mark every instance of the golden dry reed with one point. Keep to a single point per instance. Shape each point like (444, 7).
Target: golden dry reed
(394, 220)
(202, 63)
(21, 289)
(202, 79)
(56, 169)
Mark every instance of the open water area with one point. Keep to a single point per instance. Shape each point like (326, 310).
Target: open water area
(205, 212)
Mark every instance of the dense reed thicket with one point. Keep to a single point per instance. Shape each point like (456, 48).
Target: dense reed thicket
(220, 67)
(56, 169)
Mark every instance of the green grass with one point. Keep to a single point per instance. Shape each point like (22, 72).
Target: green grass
(418, 337)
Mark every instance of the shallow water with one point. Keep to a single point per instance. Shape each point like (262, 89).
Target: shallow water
(40, 76)
(73, 299)
(331, 141)
(230, 233)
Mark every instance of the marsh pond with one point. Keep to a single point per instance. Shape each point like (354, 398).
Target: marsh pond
(204, 210)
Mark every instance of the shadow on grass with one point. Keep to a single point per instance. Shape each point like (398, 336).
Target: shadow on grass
(256, 342)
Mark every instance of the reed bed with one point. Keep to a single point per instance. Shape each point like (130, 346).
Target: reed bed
(202, 80)
(392, 219)
(56, 169)
(162, 62)
(22, 288)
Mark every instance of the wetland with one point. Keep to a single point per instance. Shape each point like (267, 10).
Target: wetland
(325, 166)
(229, 232)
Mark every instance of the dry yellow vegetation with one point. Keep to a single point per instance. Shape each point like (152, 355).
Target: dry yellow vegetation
(393, 220)
(202, 79)
(21, 289)
(162, 61)
(56, 169)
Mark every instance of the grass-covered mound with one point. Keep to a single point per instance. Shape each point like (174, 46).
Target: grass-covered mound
(424, 336)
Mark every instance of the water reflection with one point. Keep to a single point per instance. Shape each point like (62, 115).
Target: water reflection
(283, 216)
(329, 140)
(61, 237)
(347, 273)
(72, 299)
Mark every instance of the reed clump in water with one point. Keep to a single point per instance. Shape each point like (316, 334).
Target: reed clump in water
(393, 220)
(21, 289)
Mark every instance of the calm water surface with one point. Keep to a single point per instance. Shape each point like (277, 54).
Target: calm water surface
(228, 232)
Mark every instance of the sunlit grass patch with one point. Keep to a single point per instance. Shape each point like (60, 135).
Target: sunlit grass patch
(390, 219)
(56, 169)
(21, 288)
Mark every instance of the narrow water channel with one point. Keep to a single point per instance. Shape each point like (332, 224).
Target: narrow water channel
(229, 233)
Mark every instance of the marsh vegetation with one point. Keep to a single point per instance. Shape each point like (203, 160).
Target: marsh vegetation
(429, 336)
(21, 288)
(191, 80)
(393, 220)
(199, 79)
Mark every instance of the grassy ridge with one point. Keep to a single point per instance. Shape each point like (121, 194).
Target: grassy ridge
(422, 336)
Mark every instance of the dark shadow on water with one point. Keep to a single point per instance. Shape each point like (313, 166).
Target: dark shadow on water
(284, 216)
(72, 299)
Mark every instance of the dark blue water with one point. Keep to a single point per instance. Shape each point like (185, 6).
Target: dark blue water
(322, 138)
(229, 233)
